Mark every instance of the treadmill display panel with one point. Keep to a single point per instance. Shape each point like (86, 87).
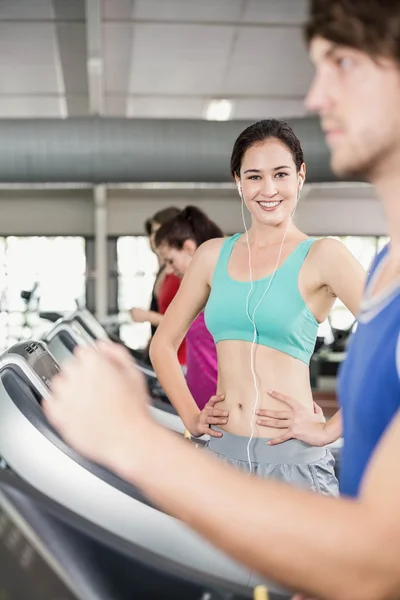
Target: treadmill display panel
(46, 368)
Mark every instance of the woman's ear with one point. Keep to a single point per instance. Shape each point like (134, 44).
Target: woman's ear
(238, 185)
(302, 176)
(189, 246)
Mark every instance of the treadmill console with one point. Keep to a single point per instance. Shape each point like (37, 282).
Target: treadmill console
(90, 325)
(38, 358)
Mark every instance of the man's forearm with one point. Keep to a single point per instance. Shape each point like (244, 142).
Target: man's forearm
(277, 530)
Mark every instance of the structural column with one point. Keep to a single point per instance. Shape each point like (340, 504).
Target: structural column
(101, 255)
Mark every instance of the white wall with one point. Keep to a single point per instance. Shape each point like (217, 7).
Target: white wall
(343, 217)
(64, 212)
(129, 210)
(46, 212)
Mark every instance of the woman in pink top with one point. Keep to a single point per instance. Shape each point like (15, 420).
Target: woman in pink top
(176, 242)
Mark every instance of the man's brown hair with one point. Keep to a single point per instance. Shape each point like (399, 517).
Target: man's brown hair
(372, 26)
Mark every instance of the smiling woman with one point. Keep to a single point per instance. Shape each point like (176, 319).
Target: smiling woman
(263, 294)
(268, 166)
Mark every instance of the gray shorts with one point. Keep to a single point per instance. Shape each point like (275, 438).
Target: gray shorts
(293, 461)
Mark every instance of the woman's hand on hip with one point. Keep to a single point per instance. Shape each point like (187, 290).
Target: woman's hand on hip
(210, 415)
(297, 420)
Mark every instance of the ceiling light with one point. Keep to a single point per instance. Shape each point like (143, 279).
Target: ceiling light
(219, 110)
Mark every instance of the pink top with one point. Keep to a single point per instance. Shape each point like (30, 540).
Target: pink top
(201, 362)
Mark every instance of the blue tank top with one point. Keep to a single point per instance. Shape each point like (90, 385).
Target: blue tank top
(369, 385)
(283, 320)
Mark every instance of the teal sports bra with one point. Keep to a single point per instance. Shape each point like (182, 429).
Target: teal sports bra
(283, 320)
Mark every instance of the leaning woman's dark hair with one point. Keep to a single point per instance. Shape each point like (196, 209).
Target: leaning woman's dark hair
(160, 217)
(190, 224)
(258, 133)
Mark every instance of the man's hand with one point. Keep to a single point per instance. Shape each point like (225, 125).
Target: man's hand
(99, 401)
(299, 423)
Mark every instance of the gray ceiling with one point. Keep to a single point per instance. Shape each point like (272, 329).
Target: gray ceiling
(152, 58)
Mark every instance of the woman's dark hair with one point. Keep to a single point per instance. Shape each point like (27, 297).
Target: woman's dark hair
(148, 226)
(258, 133)
(161, 217)
(191, 224)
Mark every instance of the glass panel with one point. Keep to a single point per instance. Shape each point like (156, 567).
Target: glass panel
(364, 249)
(53, 266)
(383, 240)
(137, 269)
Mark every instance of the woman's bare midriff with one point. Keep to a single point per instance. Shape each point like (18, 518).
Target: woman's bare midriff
(274, 371)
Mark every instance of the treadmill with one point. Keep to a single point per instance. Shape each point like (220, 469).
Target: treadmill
(47, 552)
(97, 332)
(33, 450)
(81, 328)
(87, 324)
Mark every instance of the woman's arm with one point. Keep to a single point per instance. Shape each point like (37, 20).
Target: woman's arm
(186, 305)
(333, 428)
(341, 272)
(345, 278)
(140, 315)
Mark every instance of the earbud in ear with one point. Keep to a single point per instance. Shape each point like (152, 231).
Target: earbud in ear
(299, 190)
(239, 188)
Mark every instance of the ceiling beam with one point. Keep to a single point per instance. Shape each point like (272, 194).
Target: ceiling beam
(71, 40)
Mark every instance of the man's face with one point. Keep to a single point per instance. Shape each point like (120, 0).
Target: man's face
(358, 101)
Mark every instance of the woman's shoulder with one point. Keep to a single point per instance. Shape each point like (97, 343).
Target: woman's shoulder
(214, 244)
(328, 247)
(208, 253)
(331, 254)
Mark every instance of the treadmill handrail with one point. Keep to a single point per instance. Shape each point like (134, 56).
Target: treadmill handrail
(15, 359)
(173, 423)
(53, 476)
(30, 534)
(65, 325)
(146, 371)
(57, 471)
(10, 485)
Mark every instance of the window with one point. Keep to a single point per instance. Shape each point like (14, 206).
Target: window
(137, 269)
(365, 249)
(382, 242)
(54, 267)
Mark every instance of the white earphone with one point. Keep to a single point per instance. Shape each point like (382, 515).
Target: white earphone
(251, 317)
